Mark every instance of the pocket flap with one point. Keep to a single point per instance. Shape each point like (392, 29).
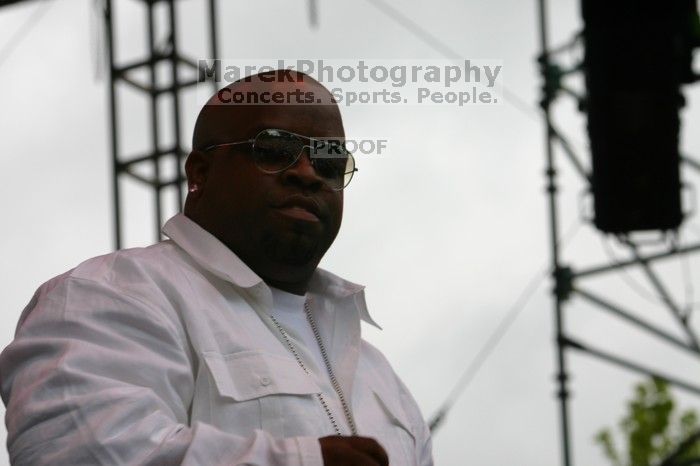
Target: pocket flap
(395, 411)
(252, 374)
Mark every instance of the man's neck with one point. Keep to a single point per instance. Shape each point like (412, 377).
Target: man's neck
(298, 288)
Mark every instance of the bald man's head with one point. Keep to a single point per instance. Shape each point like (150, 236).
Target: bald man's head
(282, 222)
(280, 91)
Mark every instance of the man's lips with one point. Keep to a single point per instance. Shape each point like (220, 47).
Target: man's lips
(298, 213)
(301, 207)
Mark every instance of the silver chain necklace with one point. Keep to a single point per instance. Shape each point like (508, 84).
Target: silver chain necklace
(331, 375)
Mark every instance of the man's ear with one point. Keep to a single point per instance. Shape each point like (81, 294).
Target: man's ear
(197, 167)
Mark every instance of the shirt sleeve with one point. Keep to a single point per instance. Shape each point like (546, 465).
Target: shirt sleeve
(96, 376)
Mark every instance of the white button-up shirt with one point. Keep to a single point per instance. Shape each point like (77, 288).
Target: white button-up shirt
(166, 355)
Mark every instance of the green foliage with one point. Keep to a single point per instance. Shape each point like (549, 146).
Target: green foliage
(651, 430)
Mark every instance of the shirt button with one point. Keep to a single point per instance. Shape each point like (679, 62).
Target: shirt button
(265, 381)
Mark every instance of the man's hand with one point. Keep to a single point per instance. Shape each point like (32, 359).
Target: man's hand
(352, 451)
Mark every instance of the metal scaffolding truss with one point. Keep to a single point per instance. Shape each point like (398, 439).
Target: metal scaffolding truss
(163, 52)
(569, 281)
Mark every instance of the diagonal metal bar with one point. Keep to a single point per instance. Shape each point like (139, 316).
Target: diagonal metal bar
(187, 61)
(141, 87)
(595, 270)
(155, 182)
(629, 317)
(176, 87)
(665, 295)
(143, 179)
(627, 364)
(170, 89)
(176, 181)
(570, 92)
(154, 59)
(155, 154)
(568, 45)
(575, 161)
(691, 162)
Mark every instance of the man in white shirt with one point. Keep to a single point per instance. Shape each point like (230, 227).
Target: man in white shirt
(225, 344)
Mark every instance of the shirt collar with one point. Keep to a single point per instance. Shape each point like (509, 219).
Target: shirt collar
(328, 284)
(210, 253)
(214, 256)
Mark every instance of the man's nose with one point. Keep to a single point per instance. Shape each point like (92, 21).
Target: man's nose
(303, 171)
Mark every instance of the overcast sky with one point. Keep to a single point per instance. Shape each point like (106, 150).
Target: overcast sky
(446, 230)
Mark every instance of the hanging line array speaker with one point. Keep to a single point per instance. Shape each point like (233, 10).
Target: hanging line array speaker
(637, 55)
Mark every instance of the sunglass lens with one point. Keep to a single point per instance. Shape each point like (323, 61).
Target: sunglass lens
(337, 170)
(276, 150)
(349, 170)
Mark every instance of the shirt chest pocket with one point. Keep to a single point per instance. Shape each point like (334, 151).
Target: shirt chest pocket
(258, 390)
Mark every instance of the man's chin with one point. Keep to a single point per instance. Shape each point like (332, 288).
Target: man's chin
(292, 249)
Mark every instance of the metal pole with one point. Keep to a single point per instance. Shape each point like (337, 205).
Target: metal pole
(213, 34)
(113, 122)
(177, 143)
(313, 14)
(569, 152)
(562, 375)
(153, 97)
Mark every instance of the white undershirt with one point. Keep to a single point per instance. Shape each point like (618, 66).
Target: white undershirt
(289, 311)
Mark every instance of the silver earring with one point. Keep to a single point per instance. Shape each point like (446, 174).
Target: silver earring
(194, 188)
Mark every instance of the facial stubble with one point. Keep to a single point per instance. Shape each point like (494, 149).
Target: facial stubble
(294, 246)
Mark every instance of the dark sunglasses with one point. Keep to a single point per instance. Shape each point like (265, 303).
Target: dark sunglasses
(275, 150)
